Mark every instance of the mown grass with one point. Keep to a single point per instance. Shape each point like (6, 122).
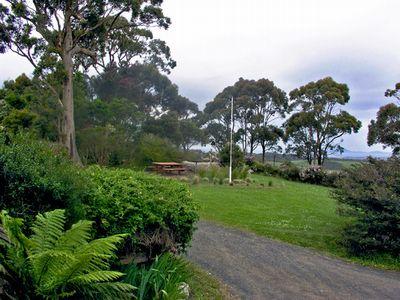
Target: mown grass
(204, 286)
(296, 213)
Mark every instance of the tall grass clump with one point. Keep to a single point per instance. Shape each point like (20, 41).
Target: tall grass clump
(165, 278)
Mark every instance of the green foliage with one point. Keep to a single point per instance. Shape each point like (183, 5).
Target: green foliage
(316, 129)
(266, 169)
(54, 263)
(27, 107)
(313, 174)
(237, 156)
(158, 213)
(386, 128)
(240, 173)
(163, 279)
(104, 146)
(152, 148)
(289, 171)
(36, 176)
(256, 104)
(217, 174)
(143, 87)
(370, 192)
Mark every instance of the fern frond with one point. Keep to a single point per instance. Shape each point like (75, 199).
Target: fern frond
(108, 291)
(105, 246)
(47, 265)
(97, 277)
(76, 236)
(12, 232)
(47, 228)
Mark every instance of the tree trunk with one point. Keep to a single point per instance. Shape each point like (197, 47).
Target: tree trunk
(68, 122)
(320, 160)
(263, 153)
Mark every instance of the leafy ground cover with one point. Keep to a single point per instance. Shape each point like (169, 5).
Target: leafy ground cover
(293, 212)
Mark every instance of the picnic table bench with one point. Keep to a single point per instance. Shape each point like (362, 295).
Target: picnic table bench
(168, 167)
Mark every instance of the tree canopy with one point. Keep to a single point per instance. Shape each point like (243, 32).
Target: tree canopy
(257, 104)
(59, 37)
(317, 127)
(386, 128)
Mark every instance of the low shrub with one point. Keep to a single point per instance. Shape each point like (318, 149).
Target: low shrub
(36, 176)
(370, 192)
(221, 173)
(158, 213)
(165, 278)
(289, 171)
(313, 175)
(241, 173)
(257, 167)
(216, 180)
(205, 180)
(195, 180)
(238, 156)
(331, 178)
(271, 170)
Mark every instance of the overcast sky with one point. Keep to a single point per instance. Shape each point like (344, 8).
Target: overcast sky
(290, 42)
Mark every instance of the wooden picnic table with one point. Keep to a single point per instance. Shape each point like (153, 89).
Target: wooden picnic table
(168, 167)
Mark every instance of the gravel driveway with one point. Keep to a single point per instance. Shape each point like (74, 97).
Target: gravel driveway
(260, 268)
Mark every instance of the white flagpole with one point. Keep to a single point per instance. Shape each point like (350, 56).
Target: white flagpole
(231, 145)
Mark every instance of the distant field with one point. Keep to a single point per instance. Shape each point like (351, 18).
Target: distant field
(293, 212)
(331, 164)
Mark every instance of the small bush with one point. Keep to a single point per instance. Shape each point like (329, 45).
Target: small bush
(271, 170)
(370, 192)
(36, 176)
(331, 178)
(238, 156)
(289, 171)
(195, 180)
(240, 173)
(270, 183)
(313, 174)
(205, 180)
(257, 167)
(158, 213)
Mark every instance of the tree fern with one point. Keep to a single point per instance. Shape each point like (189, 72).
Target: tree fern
(64, 264)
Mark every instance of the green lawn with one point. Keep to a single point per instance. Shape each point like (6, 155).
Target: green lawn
(297, 213)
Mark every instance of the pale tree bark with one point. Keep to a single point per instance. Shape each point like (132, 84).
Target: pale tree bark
(68, 138)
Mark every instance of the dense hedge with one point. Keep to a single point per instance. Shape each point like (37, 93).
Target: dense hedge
(158, 213)
(36, 176)
(370, 192)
